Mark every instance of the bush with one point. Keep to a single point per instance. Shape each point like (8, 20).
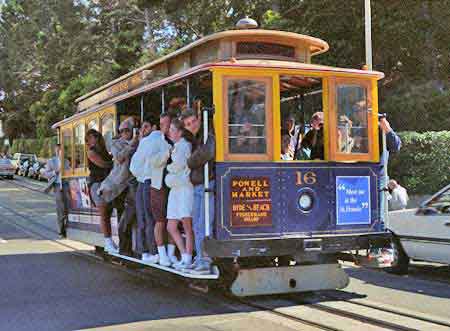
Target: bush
(423, 164)
(43, 147)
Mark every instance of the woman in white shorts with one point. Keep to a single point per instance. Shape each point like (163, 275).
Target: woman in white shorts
(181, 195)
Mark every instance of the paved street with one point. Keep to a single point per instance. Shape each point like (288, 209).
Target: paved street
(52, 284)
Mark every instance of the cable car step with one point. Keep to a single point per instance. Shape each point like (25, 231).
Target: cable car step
(214, 275)
(262, 281)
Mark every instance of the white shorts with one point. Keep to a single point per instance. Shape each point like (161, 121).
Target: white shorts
(181, 201)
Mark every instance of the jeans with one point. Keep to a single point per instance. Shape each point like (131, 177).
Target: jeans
(382, 183)
(127, 219)
(199, 217)
(145, 222)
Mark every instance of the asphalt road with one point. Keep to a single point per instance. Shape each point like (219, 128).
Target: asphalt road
(47, 284)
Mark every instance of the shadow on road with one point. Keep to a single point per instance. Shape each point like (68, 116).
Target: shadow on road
(406, 283)
(62, 291)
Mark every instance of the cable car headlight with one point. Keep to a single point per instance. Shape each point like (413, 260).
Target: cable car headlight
(306, 201)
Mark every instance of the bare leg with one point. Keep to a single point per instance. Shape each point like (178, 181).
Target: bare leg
(172, 228)
(187, 225)
(105, 220)
(159, 233)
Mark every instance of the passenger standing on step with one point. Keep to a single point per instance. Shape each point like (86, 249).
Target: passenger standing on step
(201, 155)
(181, 195)
(140, 167)
(160, 151)
(128, 217)
(116, 187)
(100, 165)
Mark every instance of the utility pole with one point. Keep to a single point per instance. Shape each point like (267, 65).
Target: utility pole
(368, 29)
(368, 37)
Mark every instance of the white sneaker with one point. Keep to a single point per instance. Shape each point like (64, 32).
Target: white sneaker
(173, 259)
(110, 247)
(165, 261)
(183, 266)
(149, 258)
(202, 268)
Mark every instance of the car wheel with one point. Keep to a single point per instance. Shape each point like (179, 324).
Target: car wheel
(400, 261)
(11, 177)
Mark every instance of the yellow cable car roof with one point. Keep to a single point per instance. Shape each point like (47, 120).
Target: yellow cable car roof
(316, 46)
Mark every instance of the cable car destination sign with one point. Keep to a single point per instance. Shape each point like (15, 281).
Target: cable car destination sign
(250, 202)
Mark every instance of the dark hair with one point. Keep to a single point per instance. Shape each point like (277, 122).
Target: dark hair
(178, 123)
(100, 146)
(165, 114)
(57, 145)
(187, 114)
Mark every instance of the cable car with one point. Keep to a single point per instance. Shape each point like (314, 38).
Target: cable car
(297, 155)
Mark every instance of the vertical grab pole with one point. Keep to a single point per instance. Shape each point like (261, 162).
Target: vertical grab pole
(368, 34)
(206, 173)
(386, 180)
(142, 108)
(188, 94)
(162, 101)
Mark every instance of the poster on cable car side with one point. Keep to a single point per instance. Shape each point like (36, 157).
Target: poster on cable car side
(353, 200)
(250, 202)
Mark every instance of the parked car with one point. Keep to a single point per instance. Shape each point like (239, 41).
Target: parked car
(6, 168)
(422, 233)
(18, 158)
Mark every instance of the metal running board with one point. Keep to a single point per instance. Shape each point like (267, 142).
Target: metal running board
(214, 275)
(262, 281)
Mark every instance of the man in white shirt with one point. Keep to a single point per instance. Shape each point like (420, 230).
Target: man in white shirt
(52, 172)
(147, 165)
(398, 196)
(141, 170)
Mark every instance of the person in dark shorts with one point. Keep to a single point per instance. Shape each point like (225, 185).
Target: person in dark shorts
(100, 165)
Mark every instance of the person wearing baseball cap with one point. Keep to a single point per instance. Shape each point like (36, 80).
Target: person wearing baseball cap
(114, 188)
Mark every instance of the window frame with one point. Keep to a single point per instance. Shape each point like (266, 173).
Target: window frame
(104, 115)
(79, 170)
(372, 121)
(70, 171)
(268, 81)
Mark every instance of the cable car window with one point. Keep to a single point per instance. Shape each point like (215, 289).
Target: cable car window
(175, 96)
(352, 119)
(78, 133)
(108, 130)
(247, 116)
(67, 148)
(93, 124)
(300, 107)
(200, 92)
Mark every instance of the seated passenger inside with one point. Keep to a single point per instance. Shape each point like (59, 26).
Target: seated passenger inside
(243, 131)
(286, 153)
(359, 127)
(313, 140)
(345, 140)
(293, 132)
